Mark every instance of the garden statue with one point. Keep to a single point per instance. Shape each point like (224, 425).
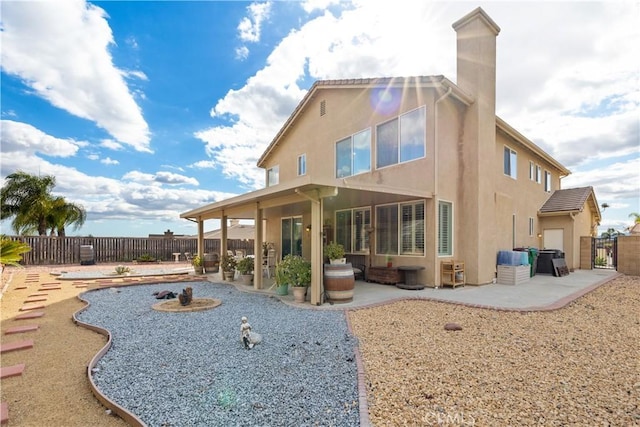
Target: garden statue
(249, 338)
(186, 296)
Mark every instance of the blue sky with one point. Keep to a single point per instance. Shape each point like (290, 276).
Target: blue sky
(143, 110)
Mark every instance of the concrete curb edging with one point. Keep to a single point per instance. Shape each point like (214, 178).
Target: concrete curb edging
(123, 413)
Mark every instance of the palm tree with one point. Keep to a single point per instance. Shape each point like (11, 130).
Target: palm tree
(26, 197)
(11, 251)
(635, 216)
(62, 214)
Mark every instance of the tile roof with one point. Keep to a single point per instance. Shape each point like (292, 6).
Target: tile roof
(570, 199)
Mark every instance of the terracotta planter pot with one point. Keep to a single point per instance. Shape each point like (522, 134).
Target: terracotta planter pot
(299, 293)
(229, 275)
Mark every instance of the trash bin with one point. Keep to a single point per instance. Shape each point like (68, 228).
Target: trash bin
(87, 256)
(532, 256)
(545, 257)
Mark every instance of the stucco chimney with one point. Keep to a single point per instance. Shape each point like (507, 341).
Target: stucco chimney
(476, 74)
(476, 54)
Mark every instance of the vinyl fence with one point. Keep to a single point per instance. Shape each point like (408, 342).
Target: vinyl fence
(53, 250)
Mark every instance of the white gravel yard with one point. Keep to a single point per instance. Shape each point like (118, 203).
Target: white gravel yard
(579, 365)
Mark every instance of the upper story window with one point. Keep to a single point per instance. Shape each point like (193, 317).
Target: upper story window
(401, 139)
(353, 154)
(273, 176)
(510, 163)
(538, 174)
(302, 164)
(532, 171)
(547, 181)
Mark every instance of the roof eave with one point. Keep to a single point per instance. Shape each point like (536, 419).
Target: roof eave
(509, 130)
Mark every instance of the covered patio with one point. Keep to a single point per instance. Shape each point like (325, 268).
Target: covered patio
(312, 202)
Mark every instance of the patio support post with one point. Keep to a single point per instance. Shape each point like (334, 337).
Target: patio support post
(223, 235)
(200, 237)
(316, 252)
(257, 248)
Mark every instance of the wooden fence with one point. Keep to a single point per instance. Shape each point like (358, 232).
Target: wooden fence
(53, 250)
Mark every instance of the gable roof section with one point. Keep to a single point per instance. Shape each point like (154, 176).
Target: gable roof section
(512, 133)
(571, 200)
(424, 81)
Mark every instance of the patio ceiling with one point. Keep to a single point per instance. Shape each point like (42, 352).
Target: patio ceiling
(293, 199)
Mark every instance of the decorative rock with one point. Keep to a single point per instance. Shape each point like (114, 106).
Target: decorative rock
(452, 327)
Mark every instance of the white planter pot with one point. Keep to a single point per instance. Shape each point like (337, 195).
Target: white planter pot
(338, 261)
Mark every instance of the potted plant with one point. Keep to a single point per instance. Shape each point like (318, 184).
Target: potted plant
(389, 261)
(246, 267)
(282, 276)
(339, 281)
(228, 264)
(335, 253)
(196, 261)
(300, 277)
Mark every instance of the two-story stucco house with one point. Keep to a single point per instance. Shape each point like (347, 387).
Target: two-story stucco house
(416, 168)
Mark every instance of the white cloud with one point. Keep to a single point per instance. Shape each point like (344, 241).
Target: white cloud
(93, 157)
(22, 139)
(61, 50)
(159, 178)
(109, 161)
(111, 144)
(250, 27)
(204, 164)
(140, 197)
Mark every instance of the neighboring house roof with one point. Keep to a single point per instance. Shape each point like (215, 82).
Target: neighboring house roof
(571, 200)
(635, 229)
(235, 231)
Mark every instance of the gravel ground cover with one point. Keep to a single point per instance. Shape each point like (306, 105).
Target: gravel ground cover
(178, 369)
(576, 366)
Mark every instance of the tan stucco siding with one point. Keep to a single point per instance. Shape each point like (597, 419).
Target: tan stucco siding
(346, 112)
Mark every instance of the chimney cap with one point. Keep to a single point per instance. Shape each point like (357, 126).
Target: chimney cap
(477, 13)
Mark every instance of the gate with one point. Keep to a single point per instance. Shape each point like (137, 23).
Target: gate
(604, 252)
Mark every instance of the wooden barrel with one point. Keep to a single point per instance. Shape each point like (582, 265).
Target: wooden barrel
(211, 263)
(339, 282)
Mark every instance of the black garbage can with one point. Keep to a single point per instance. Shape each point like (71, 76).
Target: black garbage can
(545, 257)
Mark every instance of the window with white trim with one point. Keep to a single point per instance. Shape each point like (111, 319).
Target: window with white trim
(273, 176)
(538, 174)
(531, 227)
(302, 164)
(445, 228)
(352, 229)
(353, 154)
(400, 229)
(547, 181)
(510, 163)
(532, 171)
(401, 139)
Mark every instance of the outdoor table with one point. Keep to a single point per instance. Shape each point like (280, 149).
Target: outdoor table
(410, 277)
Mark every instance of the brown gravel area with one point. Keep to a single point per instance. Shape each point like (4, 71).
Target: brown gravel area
(575, 366)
